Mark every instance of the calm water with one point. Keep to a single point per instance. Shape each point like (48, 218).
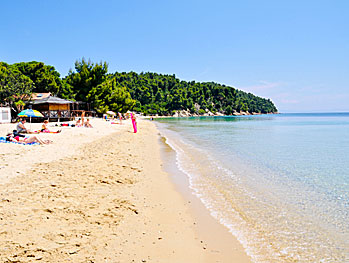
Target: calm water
(280, 183)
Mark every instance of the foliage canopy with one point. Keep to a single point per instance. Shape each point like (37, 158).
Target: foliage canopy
(14, 86)
(150, 93)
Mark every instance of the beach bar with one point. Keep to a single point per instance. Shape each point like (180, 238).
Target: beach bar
(51, 107)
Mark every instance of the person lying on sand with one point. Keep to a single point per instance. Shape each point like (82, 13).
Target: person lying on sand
(21, 128)
(11, 138)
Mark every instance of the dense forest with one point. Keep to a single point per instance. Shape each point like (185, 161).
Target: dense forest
(149, 93)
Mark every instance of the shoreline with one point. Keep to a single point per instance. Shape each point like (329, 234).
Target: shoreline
(216, 235)
(104, 198)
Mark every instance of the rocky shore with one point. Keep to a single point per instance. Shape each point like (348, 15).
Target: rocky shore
(187, 113)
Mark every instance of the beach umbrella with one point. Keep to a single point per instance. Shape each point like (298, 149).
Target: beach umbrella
(30, 113)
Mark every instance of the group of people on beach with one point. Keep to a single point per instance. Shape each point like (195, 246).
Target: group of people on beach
(19, 137)
(24, 135)
(21, 133)
(81, 123)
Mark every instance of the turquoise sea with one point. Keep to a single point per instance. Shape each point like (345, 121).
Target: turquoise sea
(279, 183)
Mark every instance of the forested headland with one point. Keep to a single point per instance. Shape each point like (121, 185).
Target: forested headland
(149, 93)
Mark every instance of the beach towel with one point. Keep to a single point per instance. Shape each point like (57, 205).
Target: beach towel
(3, 140)
(48, 131)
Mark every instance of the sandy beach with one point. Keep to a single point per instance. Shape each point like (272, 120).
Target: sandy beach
(102, 195)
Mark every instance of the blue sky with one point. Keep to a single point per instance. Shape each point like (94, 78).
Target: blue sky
(294, 52)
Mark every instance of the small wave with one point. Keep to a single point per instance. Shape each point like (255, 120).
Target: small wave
(198, 186)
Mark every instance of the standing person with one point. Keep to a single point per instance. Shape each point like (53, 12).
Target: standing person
(82, 118)
(134, 123)
(120, 117)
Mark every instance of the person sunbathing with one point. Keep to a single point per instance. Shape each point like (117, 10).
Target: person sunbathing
(44, 126)
(88, 124)
(78, 123)
(21, 128)
(45, 129)
(11, 138)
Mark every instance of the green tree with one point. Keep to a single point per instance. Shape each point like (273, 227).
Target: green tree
(88, 75)
(111, 96)
(45, 77)
(148, 92)
(228, 110)
(14, 86)
(66, 92)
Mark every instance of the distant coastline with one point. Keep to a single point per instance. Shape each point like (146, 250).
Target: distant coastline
(183, 113)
